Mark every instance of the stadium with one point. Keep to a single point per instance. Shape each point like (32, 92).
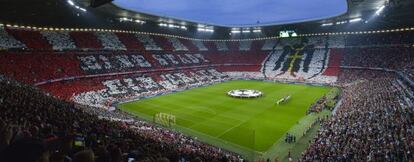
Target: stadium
(206, 81)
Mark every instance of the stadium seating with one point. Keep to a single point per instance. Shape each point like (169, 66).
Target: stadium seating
(386, 39)
(99, 69)
(39, 67)
(59, 40)
(211, 46)
(32, 39)
(7, 41)
(321, 62)
(130, 42)
(257, 45)
(140, 86)
(334, 63)
(317, 42)
(200, 45)
(189, 45)
(233, 45)
(37, 120)
(178, 46)
(397, 57)
(288, 42)
(318, 63)
(370, 124)
(221, 46)
(336, 41)
(110, 41)
(86, 40)
(409, 73)
(303, 62)
(243, 61)
(163, 43)
(245, 45)
(269, 44)
(148, 42)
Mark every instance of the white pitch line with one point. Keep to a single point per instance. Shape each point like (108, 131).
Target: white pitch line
(218, 136)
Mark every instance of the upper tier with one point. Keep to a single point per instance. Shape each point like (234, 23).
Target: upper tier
(42, 40)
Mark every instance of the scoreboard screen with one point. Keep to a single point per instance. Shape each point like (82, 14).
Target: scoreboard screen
(287, 33)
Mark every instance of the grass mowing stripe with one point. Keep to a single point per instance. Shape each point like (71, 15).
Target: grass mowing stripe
(242, 123)
(180, 117)
(186, 113)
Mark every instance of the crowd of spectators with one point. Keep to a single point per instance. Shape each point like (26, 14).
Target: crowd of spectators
(37, 127)
(337, 41)
(148, 42)
(318, 106)
(245, 45)
(373, 123)
(269, 44)
(348, 76)
(110, 41)
(200, 45)
(85, 40)
(178, 46)
(391, 57)
(221, 46)
(130, 42)
(142, 86)
(7, 41)
(59, 40)
(164, 43)
(409, 73)
(309, 64)
(32, 68)
(189, 45)
(33, 40)
(317, 42)
(380, 40)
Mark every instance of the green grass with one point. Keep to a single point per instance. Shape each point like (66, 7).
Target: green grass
(240, 125)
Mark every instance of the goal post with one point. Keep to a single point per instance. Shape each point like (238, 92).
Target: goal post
(164, 119)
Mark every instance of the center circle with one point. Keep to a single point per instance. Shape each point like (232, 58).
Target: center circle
(244, 93)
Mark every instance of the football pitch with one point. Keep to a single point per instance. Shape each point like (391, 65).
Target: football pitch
(239, 125)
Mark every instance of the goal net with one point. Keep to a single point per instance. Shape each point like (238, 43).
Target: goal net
(164, 119)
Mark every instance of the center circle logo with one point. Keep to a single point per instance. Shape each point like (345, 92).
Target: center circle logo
(244, 93)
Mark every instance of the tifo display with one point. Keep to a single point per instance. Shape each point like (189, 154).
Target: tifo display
(245, 93)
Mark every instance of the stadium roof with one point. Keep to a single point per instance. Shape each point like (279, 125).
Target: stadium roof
(237, 13)
(62, 14)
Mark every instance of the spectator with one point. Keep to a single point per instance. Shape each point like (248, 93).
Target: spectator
(373, 123)
(84, 156)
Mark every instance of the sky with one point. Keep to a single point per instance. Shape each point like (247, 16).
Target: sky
(238, 13)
